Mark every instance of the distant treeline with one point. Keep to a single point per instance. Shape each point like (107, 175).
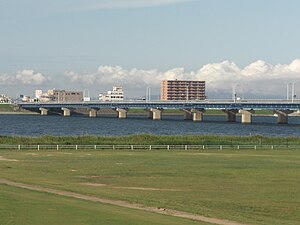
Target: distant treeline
(145, 139)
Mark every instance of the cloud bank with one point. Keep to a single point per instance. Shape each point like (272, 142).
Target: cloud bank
(5, 79)
(259, 78)
(24, 77)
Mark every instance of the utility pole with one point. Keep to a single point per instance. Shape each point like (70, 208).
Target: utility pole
(148, 93)
(288, 90)
(293, 90)
(234, 93)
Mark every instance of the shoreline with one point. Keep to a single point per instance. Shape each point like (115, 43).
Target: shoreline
(18, 113)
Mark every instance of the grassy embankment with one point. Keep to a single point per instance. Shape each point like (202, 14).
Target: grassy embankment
(146, 139)
(6, 108)
(254, 187)
(207, 112)
(12, 109)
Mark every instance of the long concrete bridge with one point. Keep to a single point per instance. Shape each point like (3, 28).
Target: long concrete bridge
(193, 110)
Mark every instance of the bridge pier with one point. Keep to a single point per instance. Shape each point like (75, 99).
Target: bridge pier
(231, 114)
(282, 116)
(93, 113)
(150, 113)
(66, 112)
(44, 112)
(188, 115)
(246, 116)
(121, 113)
(197, 115)
(156, 113)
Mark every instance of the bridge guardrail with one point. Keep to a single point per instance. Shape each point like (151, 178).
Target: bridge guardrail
(146, 147)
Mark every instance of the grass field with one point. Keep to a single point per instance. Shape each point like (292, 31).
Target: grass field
(24, 207)
(254, 187)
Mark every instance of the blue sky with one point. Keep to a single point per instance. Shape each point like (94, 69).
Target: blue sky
(48, 41)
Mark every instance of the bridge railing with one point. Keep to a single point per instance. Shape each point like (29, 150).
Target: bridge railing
(147, 147)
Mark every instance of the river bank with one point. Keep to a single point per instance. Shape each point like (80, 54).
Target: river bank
(146, 139)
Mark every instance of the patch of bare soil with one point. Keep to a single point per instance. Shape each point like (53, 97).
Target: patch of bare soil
(129, 188)
(120, 203)
(94, 184)
(87, 177)
(33, 154)
(9, 160)
(147, 189)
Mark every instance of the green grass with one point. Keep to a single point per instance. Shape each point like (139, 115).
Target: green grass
(146, 139)
(255, 187)
(33, 208)
(142, 111)
(6, 108)
(207, 112)
(263, 112)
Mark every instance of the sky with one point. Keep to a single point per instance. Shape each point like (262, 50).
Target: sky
(251, 46)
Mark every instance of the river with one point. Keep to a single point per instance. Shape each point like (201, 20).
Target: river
(35, 125)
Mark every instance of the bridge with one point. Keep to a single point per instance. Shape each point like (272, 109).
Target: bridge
(193, 110)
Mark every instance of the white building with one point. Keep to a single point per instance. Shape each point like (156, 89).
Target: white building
(4, 99)
(26, 98)
(38, 93)
(116, 94)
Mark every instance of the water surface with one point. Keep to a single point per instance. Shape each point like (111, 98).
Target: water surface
(35, 125)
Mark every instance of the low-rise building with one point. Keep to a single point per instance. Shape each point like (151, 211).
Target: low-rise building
(116, 94)
(26, 98)
(38, 93)
(65, 96)
(4, 99)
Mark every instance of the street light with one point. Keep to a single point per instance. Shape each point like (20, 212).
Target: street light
(287, 90)
(148, 93)
(293, 90)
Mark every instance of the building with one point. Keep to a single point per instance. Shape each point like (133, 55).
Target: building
(116, 94)
(45, 97)
(182, 90)
(4, 99)
(65, 96)
(38, 93)
(26, 98)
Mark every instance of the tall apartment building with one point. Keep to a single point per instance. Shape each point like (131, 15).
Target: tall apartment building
(182, 90)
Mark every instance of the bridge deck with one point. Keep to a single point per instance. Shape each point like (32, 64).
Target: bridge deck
(255, 105)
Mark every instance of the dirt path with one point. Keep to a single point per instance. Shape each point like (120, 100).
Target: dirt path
(9, 160)
(163, 211)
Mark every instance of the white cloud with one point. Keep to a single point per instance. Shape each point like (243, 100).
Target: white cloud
(29, 77)
(25, 77)
(5, 79)
(256, 78)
